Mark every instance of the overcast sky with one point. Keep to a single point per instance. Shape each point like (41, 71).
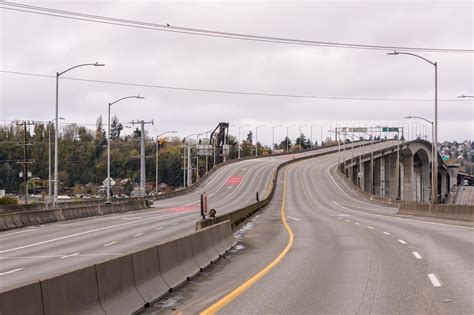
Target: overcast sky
(44, 45)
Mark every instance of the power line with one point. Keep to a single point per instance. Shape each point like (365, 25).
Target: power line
(234, 92)
(209, 33)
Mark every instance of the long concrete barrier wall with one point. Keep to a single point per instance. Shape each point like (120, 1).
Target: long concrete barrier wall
(14, 220)
(443, 211)
(122, 285)
(240, 216)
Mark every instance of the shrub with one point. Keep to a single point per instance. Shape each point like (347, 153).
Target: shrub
(6, 200)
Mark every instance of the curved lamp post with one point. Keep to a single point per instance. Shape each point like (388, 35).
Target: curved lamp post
(433, 157)
(273, 136)
(238, 147)
(435, 123)
(256, 139)
(156, 157)
(301, 137)
(108, 141)
(56, 151)
(287, 128)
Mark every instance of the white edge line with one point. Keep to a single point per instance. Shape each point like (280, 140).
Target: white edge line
(392, 217)
(293, 218)
(86, 232)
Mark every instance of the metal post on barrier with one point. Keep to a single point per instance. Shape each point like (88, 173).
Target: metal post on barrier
(258, 200)
(204, 205)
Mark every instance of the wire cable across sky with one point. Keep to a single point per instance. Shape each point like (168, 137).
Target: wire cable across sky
(210, 33)
(234, 92)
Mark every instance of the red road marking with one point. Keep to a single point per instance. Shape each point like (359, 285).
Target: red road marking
(183, 209)
(234, 180)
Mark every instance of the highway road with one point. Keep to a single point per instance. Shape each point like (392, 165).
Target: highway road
(38, 252)
(341, 254)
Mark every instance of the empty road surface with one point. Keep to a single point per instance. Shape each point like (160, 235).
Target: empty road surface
(39, 252)
(341, 254)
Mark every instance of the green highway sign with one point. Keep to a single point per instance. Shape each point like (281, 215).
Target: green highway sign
(390, 129)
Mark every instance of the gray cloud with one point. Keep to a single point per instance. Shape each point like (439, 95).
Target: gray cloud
(39, 44)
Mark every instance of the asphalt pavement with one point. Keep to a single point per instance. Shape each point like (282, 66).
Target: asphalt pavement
(348, 256)
(39, 252)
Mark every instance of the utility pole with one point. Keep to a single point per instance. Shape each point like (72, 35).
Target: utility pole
(190, 167)
(142, 123)
(25, 161)
(184, 164)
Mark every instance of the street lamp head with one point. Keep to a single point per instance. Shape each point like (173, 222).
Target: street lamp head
(99, 64)
(408, 117)
(394, 53)
(138, 96)
(62, 118)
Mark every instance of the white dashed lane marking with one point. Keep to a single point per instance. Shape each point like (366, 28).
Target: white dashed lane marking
(111, 243)
(10, 271)
(136, 235)
(417, 255)
(386, 233)
(402, 242)
(67, 256)
(434, 280)
(370, 227)
(158, 228)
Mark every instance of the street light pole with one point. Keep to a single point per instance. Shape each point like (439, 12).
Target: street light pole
(197, 155)
(238, 147)
(156, 157)
(312, 134)
(301, 137)
(287, 128)
(49, 158)
(433, 157)
(108, 142)
(56, 132)
(435, 123)
(256, 139)
(186, 152)
(273, 136)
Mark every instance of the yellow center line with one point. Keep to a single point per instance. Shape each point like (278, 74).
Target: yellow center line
(250, 282)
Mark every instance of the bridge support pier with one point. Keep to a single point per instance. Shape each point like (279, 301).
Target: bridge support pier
(378, 177)
(407, 178)
(392, 175)
(444, 185)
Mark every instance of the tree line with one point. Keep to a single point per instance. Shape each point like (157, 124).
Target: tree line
(83, 156)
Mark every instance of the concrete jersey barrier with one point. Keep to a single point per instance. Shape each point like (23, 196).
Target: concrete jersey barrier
(148, 279)
(240, 216)
(121, 285)
(444, 211)
(24, 218)
(72, 293)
